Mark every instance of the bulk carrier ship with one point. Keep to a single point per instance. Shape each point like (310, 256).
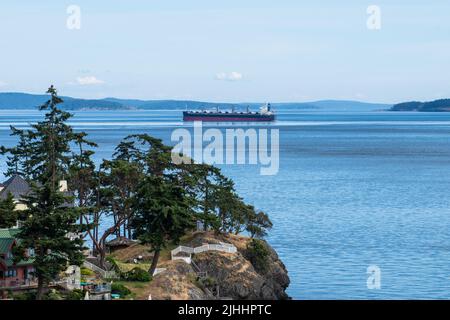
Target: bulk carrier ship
(265, 114)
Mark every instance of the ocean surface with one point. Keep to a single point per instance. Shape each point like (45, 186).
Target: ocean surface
(353, 190)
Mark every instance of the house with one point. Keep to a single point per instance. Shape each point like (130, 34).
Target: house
(14, 274)
(119, 243)
(18, 187)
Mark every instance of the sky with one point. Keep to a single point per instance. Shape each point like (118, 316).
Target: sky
(228, 50)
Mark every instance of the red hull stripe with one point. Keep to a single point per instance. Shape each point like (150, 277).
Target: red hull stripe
(228, 119)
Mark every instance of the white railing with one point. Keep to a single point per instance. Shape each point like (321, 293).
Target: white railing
(222, 247)
(105, 274)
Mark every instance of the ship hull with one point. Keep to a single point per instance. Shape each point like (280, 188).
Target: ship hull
(187, 116)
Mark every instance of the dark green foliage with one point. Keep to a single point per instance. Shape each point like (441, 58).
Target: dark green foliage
(46, 157)
(207, 282)
(206, 189)
(8, 215)
(113, 263)
(118, 180)
(118, 288)
(162, 214)
(29, 295)
(136, 274)
(257, 223)
(211, 193)
(53, 295)
(162, 207)
(218, 205)
(432, 106)
(82, 176)
(75, 295)
(18, 157)
(258, 254)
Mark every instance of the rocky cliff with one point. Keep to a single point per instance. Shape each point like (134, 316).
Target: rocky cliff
(219, 275)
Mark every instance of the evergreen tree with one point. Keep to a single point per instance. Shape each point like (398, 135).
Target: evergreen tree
(163, 209)
(82, 177)
(163, 214)
(17, 160)
(51, 218)
(257, 223)
(117, 181)
(206, 193)
(8, 214)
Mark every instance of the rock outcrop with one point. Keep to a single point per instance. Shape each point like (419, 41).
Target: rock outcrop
(237, 277)
(219, 275)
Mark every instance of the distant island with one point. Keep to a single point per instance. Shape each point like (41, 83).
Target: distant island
(442, 105)
(26, 101)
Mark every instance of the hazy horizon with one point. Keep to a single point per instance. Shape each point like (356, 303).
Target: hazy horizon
(290, 51)
(207, 101)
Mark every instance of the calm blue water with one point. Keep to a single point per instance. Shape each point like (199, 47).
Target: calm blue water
(353, 190)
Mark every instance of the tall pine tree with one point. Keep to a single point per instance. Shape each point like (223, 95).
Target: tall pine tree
(163, 209)
(8, 213)
(51, 217)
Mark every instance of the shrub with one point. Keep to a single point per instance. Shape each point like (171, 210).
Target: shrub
(118, 288)
(136, 274)
(53, 295)
(30, 295)
(75, 295)
(207, 282)
(113, 262)
(87, 272)
(258, 254)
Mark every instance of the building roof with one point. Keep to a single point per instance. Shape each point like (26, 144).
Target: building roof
(19, 187)
(9, 233)
(7, 239)
(5, 245)
(120, 241)
(16, 185)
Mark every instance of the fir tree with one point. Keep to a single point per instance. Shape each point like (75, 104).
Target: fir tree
(163, 214)
(163, 209)
(82, 176)
(257, 223)
(117, 181)
(51, 217)
(8, 213)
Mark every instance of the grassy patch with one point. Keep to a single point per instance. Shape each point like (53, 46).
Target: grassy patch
(138, 289)
(126, 267)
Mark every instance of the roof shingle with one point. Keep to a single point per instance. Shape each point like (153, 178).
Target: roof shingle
(15, 185)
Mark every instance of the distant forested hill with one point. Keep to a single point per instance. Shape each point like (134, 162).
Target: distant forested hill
(169, 104)
(442, 105)
(15, 100)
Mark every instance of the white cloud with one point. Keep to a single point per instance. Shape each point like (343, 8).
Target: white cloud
(221, 76)
(3, 84)
(89, 80)
(232, 76)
